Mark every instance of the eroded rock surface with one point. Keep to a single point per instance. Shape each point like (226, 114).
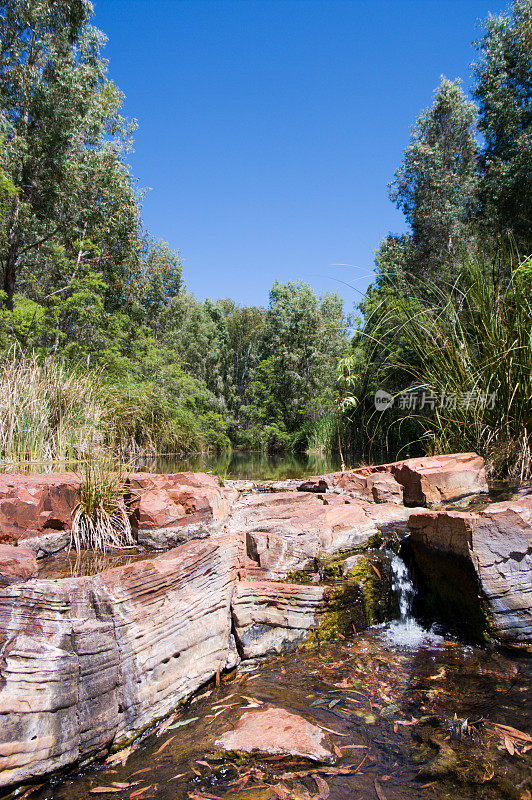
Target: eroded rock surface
(426, 481)
(171, 509)
(498, 542)
(277, 732)
(288, 531)
(272, 617)
(17, 564)
(88, 661)
(38, 506)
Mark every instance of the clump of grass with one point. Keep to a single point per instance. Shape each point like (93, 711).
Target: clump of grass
(477, 344)
(48, 414)
(100, 519)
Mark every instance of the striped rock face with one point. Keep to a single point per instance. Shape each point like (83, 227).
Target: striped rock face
(86, 662)
(497, 542)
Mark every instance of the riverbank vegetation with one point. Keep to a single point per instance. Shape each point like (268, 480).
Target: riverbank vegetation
(446, 326)
(105, 350)
(101, 342)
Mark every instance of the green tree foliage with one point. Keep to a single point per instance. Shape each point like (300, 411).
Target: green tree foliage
(294, 381)
(436, 185)
(504, 91)
(442, 288)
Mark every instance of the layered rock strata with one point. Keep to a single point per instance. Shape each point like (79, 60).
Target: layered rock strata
(427, 481)
(87, 662)
(287, 531)
(497, 542)
(170, 509)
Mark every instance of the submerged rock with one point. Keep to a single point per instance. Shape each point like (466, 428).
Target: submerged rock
(276, 732)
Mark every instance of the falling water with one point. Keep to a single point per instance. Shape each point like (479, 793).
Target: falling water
(405, 631)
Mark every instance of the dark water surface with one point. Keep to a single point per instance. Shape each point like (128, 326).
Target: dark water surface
(249, 466)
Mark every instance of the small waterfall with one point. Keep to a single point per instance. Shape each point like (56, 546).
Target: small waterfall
(403, 587)
(405, 631)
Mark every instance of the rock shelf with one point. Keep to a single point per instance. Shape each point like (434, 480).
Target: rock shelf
(87, 663)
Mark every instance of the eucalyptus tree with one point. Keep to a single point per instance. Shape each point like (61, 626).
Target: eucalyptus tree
(436, 185)
(74, 210)
(504, 92)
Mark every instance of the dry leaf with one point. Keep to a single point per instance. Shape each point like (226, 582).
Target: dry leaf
(379, 791)
(509, 745)
(165, 744)
(323, 787)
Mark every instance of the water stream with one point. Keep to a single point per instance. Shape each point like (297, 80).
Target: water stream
(390, 694)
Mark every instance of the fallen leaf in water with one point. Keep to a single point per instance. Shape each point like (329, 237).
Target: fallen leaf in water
(182, 723)
(165, 744)
(337, 751)
(120, 785)
(323, 787)
(204, 763)
(200, 697)
(377, 571)
(140, 771)
(31, 790)
(509, 745)
(335, 702)
(181, 775)
(353, 747)
(282, 791)
(379, 791)
(331, 731)
(102, 789)
(121, 757)
(138, 792)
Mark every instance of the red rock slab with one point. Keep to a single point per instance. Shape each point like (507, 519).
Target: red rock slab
(497, 541)
(426, 481)
(17, 564)
(164, 504)
(277, 732)
(35, 504)
(287, 531)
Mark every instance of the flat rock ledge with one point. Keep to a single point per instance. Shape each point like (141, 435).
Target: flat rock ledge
(277, 732)
(86, 663)
(497, 542)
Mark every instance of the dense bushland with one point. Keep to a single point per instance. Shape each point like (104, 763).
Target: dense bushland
(102, 344)
(448, 316)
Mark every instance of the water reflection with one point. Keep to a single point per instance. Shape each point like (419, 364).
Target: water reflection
(247, 466)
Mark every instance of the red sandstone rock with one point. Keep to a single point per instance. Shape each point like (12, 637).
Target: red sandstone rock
(425, 481)
(17, 564)
(498, 542)
(85, 662)
(276, 732)
(166, 506)
(287, 531)
(272, 617)
(36, 505)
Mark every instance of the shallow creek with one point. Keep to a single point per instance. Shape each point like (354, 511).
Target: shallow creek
(390, 695)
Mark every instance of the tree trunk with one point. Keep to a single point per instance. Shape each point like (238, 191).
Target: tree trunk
(10, 267)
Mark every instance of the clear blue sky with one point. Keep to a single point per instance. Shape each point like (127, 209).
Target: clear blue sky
(269, 129)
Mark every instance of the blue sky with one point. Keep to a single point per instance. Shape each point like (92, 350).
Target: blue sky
(269, 129)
